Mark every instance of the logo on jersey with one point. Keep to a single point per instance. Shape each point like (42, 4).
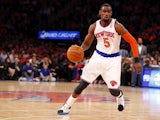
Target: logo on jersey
(104, 33)
(113, 83)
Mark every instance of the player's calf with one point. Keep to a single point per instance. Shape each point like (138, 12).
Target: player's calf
(73, 97)
(119, 98)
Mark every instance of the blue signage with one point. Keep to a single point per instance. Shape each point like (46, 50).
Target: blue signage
(58, 35)
(151, 77)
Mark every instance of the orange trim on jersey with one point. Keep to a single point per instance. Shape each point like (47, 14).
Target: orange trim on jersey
(133, 43)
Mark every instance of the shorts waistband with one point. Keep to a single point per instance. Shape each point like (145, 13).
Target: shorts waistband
(108, 55)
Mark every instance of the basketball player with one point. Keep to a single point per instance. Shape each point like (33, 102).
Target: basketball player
(106, 59)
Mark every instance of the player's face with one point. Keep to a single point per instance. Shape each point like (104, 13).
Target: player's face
(105, 13)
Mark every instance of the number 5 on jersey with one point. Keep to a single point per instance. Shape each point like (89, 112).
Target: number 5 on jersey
(106, 42)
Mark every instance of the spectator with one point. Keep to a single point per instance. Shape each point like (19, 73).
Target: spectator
(11, 55)
(45, 60)
(45, 74)
(3, 55)
(126, 71)
(7, 65)
(154, 63)
(147, 62)
(15, 69)
(123, 51)
(2, 75)
(158, 59)
(27, 72)
(35, 64)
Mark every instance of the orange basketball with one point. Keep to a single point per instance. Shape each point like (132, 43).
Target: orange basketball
(75, 53)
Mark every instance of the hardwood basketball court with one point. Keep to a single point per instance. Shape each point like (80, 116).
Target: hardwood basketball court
(41, 100)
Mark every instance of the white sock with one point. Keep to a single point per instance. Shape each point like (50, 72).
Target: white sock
(70, 101)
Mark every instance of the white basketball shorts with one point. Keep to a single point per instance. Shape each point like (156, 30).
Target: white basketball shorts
(108, 67)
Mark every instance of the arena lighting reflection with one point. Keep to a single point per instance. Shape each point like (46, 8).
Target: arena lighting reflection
(151, 77)
(151, 96)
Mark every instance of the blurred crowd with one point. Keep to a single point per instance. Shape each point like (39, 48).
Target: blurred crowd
(21, 20)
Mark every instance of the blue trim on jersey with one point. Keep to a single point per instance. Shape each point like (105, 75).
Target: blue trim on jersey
(108, 55)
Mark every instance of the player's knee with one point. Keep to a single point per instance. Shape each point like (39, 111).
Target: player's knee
(115, 92)
(80, 87)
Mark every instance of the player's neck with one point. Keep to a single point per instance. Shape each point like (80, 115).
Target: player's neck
(105, 23)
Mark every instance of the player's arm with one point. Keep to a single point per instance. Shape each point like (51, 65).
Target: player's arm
(133, 43)
(88, 38)
(129, 38)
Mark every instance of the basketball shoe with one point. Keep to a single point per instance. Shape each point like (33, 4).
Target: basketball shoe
(120, 102)
(64, 110)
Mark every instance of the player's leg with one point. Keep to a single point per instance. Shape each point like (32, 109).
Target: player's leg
(119, 98)
(112, 79)
(73, 97)
(89, 74)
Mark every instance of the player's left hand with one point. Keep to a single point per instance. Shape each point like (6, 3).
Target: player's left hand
(138, 67)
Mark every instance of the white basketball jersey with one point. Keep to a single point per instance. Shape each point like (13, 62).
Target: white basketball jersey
(108, 40)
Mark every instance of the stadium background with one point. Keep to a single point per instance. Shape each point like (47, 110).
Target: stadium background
(20, 21)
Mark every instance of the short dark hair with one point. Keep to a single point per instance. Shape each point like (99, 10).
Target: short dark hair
(106, 4)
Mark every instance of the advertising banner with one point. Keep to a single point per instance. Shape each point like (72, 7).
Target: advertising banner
(58, 35)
